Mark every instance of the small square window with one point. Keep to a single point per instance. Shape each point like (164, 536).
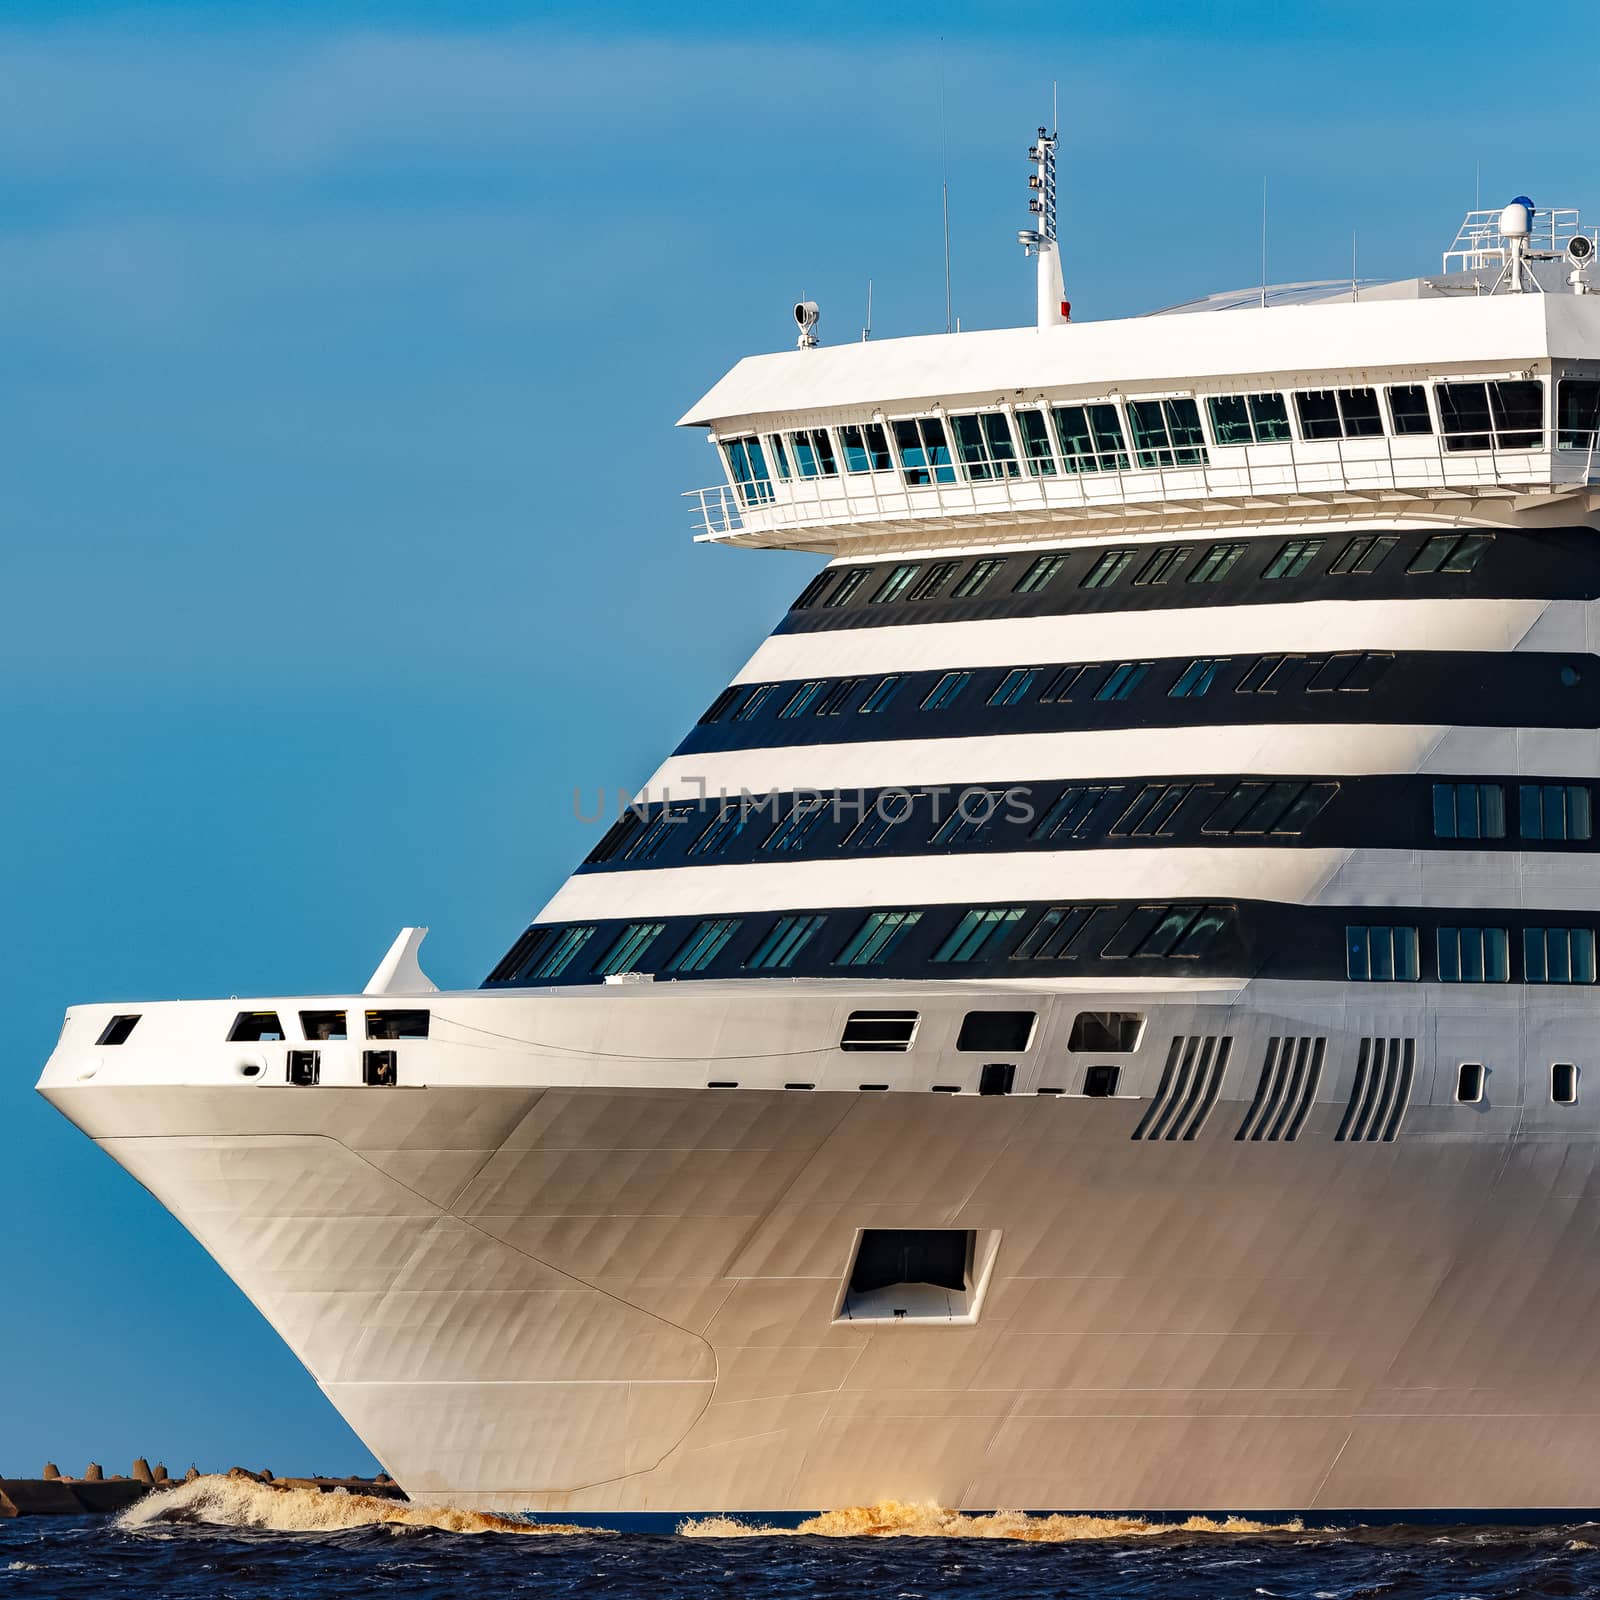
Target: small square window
(1564, 1083)
(380, 1069)
(116, 1031)
(305, 1067)
(1469, 1083)
(1100, 1082)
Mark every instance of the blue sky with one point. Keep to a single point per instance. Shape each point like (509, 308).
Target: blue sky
(340, 347)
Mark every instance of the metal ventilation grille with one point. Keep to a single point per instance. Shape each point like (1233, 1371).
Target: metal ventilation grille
(1190, 1082)
(1381, 1092)
(1289, 1079)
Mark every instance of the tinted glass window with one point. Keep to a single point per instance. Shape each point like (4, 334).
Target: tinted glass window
(996, 1030)
(866, 447)
(978, 578)
(1408, 405)
(1578, 414)
(1036, 443)
(932, 582)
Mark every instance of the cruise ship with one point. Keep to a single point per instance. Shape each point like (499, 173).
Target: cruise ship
(1100, 1013)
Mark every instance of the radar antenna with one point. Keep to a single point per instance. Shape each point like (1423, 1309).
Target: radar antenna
(1040, 240)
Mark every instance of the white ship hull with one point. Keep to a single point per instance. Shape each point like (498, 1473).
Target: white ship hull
(532, 1279)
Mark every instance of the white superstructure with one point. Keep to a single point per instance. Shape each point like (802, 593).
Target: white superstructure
(1100, 1012)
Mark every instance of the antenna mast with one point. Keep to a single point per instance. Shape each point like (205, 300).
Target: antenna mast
(1053, 307)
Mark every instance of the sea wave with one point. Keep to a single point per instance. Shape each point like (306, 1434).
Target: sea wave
(896, 1519)
(228, 1502)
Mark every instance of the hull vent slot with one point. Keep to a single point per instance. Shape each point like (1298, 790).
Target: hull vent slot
(1381, 1092)
(1289, 1079)
(1190, 1082)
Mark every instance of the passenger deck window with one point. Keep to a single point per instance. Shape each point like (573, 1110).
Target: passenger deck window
(1015, 686)
(813, 591)
(839, 698)
(255, 1027)
(791, 833)
(896, 584)
(1473, 955)
(786, 938)
(883, 692)
(804, 698)
(1558, 955)
(1293, 558)
(1469, 811)
(1166, 433)
(852, 581)
(1578, 414)
(747, 466)
(1338, 413)
(946, 691)
(1408, 406)
(969, 820)
(552, 954)
(1363, 555)
(1036, 448)
(1557, 811)
(1069, 814)
(924, 451)
(1507, 415)
(1248, 419)
(984, 440)
(750, 706)
(1105, 1032)
(931, 584)
(397, 1024)
(1381, 954)
(1108, 567)
(1039, 574)
(1161, 566)
(703, 945)
(1257, 806)
(813, 453)
(997, 1031)
(892, 809)
(1125, 678)
(866, 447)
(979, 935)
(117, 1030)
(1451, 552)
(1091, 438)
(1196, 678)
(726, 826)
(876, 938)
(1216, 563)
(879, 1030)
(979, 576)
(322, 1025)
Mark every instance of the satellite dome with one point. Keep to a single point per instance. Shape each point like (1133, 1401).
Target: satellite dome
(1516, 221)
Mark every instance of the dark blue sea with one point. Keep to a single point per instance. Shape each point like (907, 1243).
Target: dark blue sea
(244, 1542)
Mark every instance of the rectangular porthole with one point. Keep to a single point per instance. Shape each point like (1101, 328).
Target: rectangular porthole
(116, 1031)
(397, 1025)
(723, 1083)
(319, 1025)
(380, 1069)
(1100, 1082)
(947, 1088)
(873, 1088)
(305, 1067)
(1469, 1083)
(997, 1077)
(799, 1086)
(1105, 1032)
(996, 1030)
(879, 1030)
(255, 1027)
(1564, 1083)
(916, 1275)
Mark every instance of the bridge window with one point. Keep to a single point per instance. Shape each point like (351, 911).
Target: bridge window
(1469, 811)
(1578, 414)
(1408, 406)
(813, 453)
(780, 456)
(1091, 438)
(255, 1027)
(1166, 433)
(1108, 567)
(1216, 563)
(977, 936)
(1014, 686)
(1364, 554)
(866, 447)
(702, 947)
(397, 1024)
(979, 576)
(1338, 413)
(929, 585)
(1451, 552)
(984, 440)
(1381, 954)
(1293, 558)
(1036, 449)
(1557, 811)
(924, 451)
(1249, 419)
(877, 938)
(117, 1030)
(323, 1025)
(896, 584)
(1558, 955)
(1504, 416)
(946, 691)
(1473, 955)
(787, 937)
(792, 832)
(1039, 574)
(747, 465)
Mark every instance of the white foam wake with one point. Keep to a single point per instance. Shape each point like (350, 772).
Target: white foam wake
(290, 1508)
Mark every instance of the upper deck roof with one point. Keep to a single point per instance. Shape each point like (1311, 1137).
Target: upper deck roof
(1416, 325)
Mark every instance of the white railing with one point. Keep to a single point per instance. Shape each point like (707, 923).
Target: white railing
(1322, 472)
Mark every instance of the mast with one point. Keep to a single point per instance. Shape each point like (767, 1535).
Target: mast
(1053, 307)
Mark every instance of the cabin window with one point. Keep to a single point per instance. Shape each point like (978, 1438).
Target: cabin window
(1249, 419)
(1271, 675)
(974, 810)
(1364, 554)
(1451, 552)
(747, 466)
(116, 1031)
(1350, 671)
(1163, 565)
(924, 451)
(1473, 955)
(979, 576)
(1166, 433)
(255, 1027)
(1152, 809)
(1196, 678)
(1056, 935)
(1558, 955)
(1039, 574)
(1125, 678)
(984, 440)
(1014, 686)
(866, 447)
(882, 693)
(1106, 1032)
(1469, 811)
(890, 810)
(1338, 413)
(996, 1031)
(787, 937)
(1091, 438)
(1469, 1083)
(323, 1025)
(1260, 807)
(655, 833)
(838, 699)
(754, 701)
(1578, 414)
(813, 591)
(997, 1077)
(1036, 449)
(1381, 954)
(1062, 686)
(1293, 558)
(703, 946)
(791, 833)
(729, 822)
(979, 935)
(397, 1024)
(896, 584)
(879, 1030)
(554, 955)
(946, 691)
(1408, 406)
(1216, 563)
(718, 707)
(1503, 416)
(1564, 1083)
(813, 453)
(1558, 811)
(804, 698)
(1070, 811)
(876, 938)
(932, 582)
(852, 581)
(1108, 567)
(1100, 1082)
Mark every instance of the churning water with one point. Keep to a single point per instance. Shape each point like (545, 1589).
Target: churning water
(219, 1537)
